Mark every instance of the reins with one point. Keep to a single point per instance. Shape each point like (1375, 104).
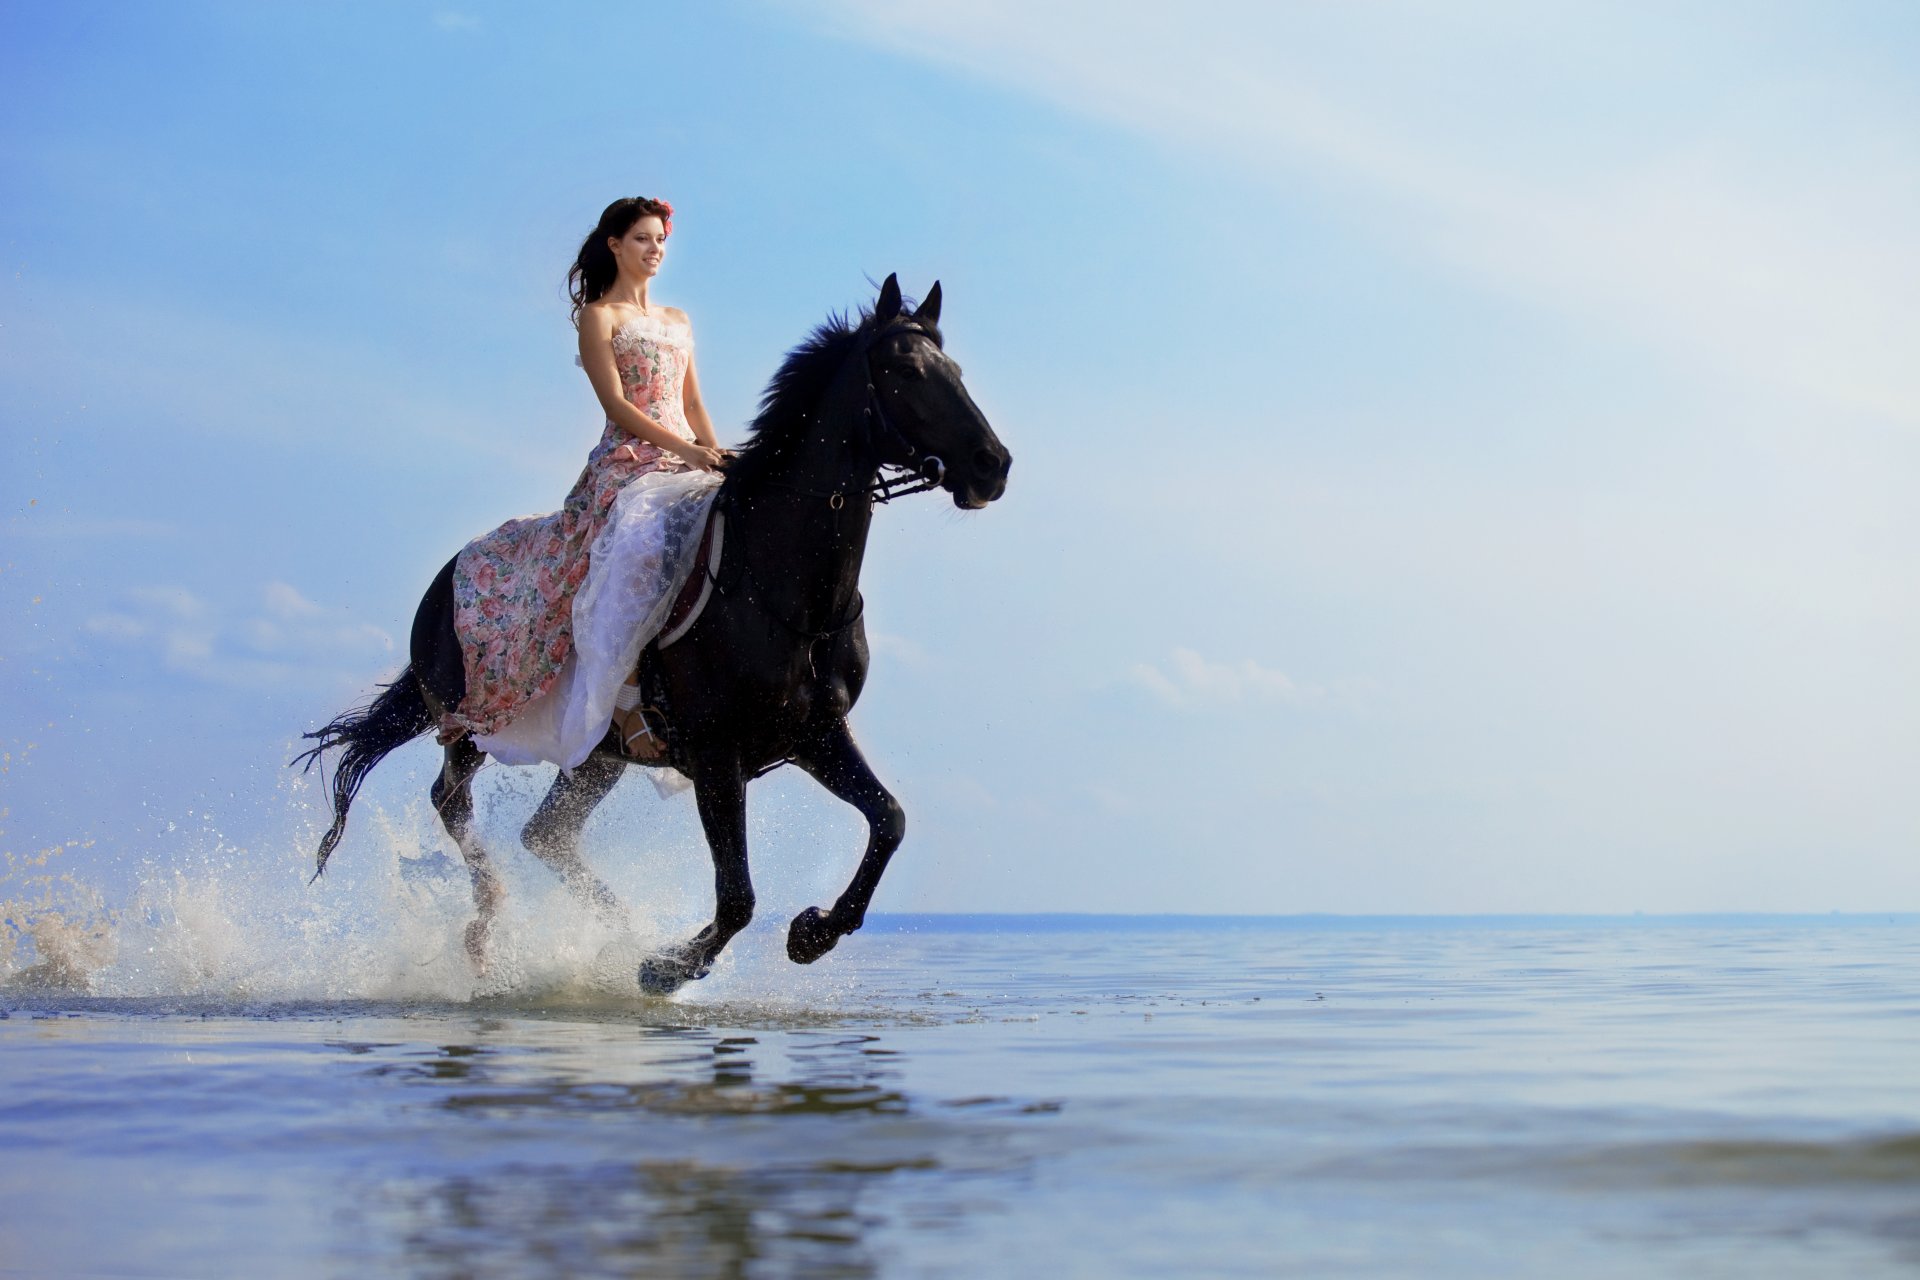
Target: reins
(916, 475)
(858, 603)
(761, 597)
(913, 475)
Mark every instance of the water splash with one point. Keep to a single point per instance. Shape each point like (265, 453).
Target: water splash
(216, 922)
(55, 928)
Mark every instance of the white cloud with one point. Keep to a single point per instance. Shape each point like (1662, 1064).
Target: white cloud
(225, 377)
(173, 602)
(188, 650)
(1758, 224)
(283, 601)
(116, 626)
(291, 640)
(1113, 800)
(1190, 681)
(894, 648)
(65, 527)
(960, 792)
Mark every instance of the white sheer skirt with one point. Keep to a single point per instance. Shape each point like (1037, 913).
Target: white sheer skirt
(642, 557)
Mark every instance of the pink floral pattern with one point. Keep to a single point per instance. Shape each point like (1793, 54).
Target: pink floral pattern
(513, 588)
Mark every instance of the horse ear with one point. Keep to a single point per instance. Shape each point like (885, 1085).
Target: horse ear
(889, 304)
(929, 308)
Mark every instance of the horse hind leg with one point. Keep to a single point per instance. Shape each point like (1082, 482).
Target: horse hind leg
(721, 794)
(552, 835)
(452, 796)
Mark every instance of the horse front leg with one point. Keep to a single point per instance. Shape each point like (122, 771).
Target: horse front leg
(721, 793)
(552, 834)
(835, 762)
(452, 795)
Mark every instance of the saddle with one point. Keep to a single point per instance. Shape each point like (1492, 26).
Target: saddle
(692, 600)
(687, 607)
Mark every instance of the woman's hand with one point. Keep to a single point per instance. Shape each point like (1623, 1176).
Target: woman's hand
(699, 456)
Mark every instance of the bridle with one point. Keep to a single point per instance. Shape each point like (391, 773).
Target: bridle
(893, 452)
(911, 472)
(899, 467)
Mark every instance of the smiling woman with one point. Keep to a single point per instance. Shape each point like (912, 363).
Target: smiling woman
(533, 693)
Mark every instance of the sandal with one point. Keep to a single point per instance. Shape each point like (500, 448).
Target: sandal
(638, 726)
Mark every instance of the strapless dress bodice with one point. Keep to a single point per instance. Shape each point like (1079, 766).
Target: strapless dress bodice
(652, 353)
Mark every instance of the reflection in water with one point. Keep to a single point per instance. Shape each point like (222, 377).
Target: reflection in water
(650, 1217)
(689, 1199)
(1439, 1101)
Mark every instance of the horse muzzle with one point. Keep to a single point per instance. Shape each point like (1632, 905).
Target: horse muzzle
(986, 479)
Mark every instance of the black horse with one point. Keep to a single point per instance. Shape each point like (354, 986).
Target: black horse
(777, 658)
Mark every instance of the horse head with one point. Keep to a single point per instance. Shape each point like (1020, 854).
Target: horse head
(920, 415)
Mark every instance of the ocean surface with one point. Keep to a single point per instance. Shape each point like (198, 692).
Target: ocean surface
(968, 1096)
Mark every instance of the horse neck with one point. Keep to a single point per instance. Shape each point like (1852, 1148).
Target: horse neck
(814, 550)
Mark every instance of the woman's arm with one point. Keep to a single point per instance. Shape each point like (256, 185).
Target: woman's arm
(697, 410)
(696, 407)
(596, 357)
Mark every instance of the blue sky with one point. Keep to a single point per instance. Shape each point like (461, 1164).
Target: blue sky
(1463, 454)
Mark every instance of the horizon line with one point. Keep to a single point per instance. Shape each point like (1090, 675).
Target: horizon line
(897, 919)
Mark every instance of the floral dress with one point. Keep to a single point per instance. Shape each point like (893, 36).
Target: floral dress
(514, 589)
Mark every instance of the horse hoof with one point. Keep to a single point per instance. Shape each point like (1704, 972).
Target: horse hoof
(810, 936)
(664, 975)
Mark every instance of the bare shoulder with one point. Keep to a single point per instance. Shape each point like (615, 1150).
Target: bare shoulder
(596, 317)
(597, 323)
(677, 314)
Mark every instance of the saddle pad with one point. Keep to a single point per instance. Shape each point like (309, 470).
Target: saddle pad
(692, 600)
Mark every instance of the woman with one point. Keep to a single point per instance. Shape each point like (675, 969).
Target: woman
(552, 610)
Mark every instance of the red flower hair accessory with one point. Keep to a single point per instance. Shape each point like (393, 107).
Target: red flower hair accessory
(666, 215)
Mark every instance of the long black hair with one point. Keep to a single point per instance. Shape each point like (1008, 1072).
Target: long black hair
(594, 270)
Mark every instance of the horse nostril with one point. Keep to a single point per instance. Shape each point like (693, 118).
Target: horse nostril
(990, 461)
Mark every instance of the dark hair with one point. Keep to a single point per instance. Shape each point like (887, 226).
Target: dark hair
(594, 270)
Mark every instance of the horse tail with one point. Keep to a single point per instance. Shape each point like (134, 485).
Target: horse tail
(397, 715)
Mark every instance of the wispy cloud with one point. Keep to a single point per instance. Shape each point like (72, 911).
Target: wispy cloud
(1717, 207)
(1188, 681)
(453, 20)
(285, 602)
(287, 639)
(897, 648)
(225, 377)
(66, 528)
(1113, 800)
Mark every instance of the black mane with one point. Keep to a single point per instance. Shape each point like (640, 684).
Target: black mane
(766, 676)
(793, 395)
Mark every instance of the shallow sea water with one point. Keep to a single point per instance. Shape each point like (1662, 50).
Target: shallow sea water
(972, 1096)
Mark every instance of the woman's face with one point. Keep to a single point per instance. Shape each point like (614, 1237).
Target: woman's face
(640, 250)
